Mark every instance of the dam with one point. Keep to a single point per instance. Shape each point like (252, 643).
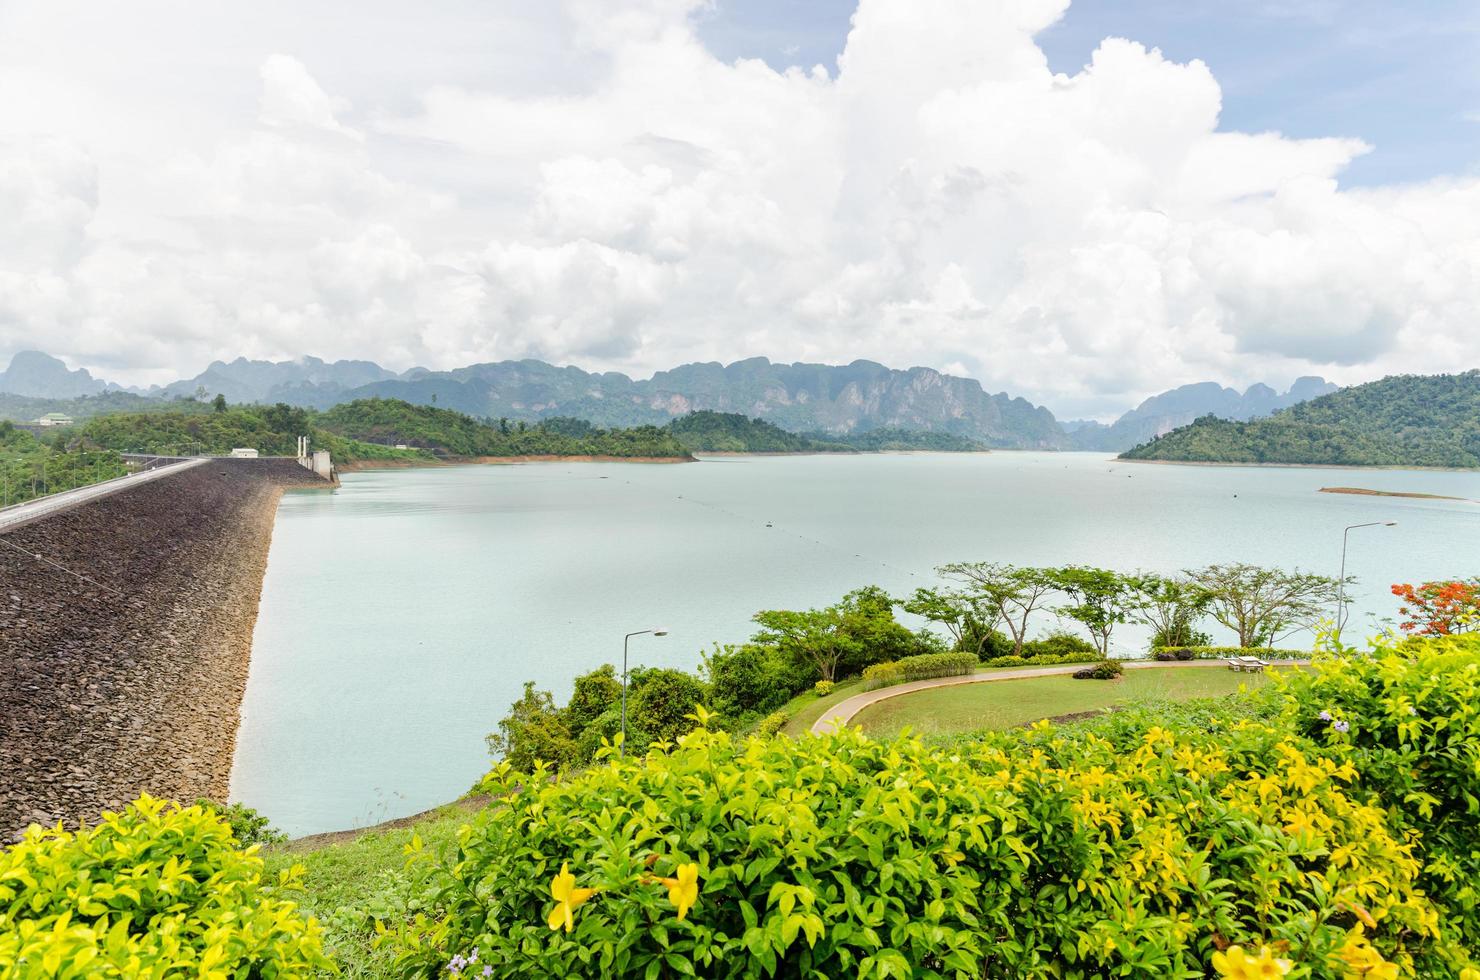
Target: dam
(126, 623)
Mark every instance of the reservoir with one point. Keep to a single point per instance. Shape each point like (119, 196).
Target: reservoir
(402, 614)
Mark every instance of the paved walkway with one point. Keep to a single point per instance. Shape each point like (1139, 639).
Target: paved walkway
(33, 510)
(840, 714)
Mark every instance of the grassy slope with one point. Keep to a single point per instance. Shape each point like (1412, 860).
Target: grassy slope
(349, 884)
(971, 707)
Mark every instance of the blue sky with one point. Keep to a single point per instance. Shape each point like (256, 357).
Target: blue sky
(1403, 76)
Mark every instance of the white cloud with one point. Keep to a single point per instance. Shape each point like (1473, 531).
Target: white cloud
(584, 182)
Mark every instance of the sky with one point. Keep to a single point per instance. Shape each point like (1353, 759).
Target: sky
(1083, 205)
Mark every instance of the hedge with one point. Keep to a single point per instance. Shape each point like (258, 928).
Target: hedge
(918, 668)
(1072, 658)
(1338, 839)
(155, 890)
(1216, 653)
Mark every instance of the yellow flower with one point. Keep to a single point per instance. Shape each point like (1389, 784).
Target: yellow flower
(1365, 963)
(1238, 965)
(1362, 961)
(568, 898)
(683, 891)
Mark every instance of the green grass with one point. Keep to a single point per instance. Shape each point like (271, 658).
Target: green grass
(807, 707)
(1005, 704)
(350, 884)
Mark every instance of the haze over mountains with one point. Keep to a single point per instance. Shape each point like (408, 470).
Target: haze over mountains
(800, 397)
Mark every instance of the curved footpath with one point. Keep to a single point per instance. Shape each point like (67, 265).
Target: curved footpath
(840, 714)
(125, 630)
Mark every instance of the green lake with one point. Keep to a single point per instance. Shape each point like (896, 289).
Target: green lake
(402, 613)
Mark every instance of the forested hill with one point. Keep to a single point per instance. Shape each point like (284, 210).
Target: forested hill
(1404, 420)
(721, 432)
(445, 432)
(365, 430)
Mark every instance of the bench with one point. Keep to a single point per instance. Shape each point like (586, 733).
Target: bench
(1245, 663)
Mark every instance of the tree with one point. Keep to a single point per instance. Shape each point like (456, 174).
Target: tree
(1099, 600)
(658, 705)
(1440, 608)
(1263, 605)
(1012, 593)
(219, 403)
(532, 731)
(968, 619)
(593, 695)
(748, 679)
(816, 635)
(1171, 607)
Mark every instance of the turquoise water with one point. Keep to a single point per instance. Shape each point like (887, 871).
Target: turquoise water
(402, 613)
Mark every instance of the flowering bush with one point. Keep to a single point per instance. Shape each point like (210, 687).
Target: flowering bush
(822, 688)
(1407, 719)
(156, 890)
(1120, 850)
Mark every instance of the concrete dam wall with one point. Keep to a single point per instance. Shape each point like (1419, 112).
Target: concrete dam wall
(125, 634)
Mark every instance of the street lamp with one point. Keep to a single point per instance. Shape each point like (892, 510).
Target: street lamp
(656, 631)
(1341, 580)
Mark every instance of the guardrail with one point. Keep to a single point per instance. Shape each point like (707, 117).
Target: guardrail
(34, 510)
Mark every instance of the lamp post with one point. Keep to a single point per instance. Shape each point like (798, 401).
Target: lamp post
(656, 631)
(1341, 580)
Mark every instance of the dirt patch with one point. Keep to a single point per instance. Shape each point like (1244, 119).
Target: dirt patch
(1359, 491)
(123, 655)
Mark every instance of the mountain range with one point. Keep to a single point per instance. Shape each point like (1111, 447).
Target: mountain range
(1402, 420)
(1173, 409)
(838, 399)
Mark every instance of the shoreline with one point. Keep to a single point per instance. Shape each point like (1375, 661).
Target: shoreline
(1299, 466)
(363, 465)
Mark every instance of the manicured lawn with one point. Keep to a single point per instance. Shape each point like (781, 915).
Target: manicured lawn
(1005, 704)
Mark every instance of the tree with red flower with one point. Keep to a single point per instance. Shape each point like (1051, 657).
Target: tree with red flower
(1439, 608)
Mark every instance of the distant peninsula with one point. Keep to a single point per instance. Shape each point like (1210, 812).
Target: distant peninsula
(1399, 421)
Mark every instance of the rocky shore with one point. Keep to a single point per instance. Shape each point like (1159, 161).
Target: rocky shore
(130, 678)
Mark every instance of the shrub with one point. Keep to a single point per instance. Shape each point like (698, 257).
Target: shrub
(660, 706)
(772, 723)
(823, 688)
(882, 675)
(153, 890)
(986, 644)
(1042, 853)
(1407, 718)
(1105, 670)
(751, 678)
(1090, 656)
(918, 668)
(1059, 645)
(247, 825)
(1216, 653)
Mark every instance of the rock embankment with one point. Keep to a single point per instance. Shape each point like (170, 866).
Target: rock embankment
(130, 680)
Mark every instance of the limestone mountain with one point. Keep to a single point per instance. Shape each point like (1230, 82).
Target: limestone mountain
(1173, 409)
(839, 399)
(37, 375)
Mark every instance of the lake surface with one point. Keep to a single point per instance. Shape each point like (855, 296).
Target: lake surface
(402, 614)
